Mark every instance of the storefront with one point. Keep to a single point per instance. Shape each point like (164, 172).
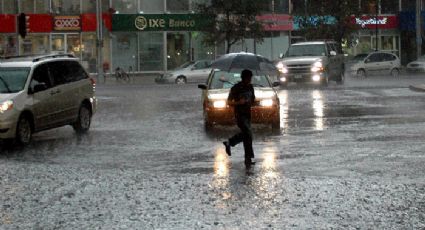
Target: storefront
(157, 42)
(381, 33)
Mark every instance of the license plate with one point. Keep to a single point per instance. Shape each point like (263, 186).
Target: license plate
(298, 76)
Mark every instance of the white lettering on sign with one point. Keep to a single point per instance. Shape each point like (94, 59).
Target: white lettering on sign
(67, 23)
(371, 21)
(182, 23)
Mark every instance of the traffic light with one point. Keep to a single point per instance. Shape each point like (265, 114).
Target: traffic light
(23, 24)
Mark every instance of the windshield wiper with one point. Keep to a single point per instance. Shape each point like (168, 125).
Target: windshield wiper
(5, 84)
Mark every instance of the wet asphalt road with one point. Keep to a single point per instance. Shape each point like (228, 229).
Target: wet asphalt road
(350, 157)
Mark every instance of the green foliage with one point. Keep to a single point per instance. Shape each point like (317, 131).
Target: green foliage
(339, 28)
(231, 21)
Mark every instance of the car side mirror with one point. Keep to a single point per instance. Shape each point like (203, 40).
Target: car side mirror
(202, 86)
(281, 55)
(193, 68)
(367, 60)
(332, 53)
(38, 88)
(275, 84)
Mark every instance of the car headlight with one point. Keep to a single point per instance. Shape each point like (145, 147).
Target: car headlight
(266, 102)
(282, 68)
(317, 67)
(5, 106)
(221, 104)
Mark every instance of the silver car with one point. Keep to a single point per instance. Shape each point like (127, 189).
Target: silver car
(44, 92)
(194, 71)
(417, 66)
(375, 63)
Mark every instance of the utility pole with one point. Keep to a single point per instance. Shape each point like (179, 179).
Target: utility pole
(376, 24)
(418, 29)
(99, 42)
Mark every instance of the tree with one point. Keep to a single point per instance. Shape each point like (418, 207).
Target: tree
(231, 21)
(328, 19)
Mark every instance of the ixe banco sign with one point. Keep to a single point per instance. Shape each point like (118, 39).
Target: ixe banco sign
(158, 22)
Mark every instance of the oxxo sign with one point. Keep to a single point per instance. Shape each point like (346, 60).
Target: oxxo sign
(67, 23)
(157, 22)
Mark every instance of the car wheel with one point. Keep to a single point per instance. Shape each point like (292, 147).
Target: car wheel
(23, 131)
(395, 72)
(361, 73)
(82, 125)
(181, 80)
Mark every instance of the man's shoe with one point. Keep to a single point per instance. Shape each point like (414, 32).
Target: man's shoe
(227, 145)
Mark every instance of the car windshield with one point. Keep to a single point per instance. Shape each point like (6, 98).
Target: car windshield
(306, 50)
(225, 80)
(359, 57)
(13, 80)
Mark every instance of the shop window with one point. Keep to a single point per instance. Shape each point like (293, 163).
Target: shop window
(369, 6)
(408, 4)
(26, 6)
(177, 49)
(178, 5)
(8, 45)
(125, 6)
(281, 6)
(147, 6)
(89, 52)
(71, 7)
(151, 53)
(125, 51)
(9, 6)
(34, 44)
(90, 6)
(389, 6)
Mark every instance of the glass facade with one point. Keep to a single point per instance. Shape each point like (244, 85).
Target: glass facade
(34, 44)
(151, 51)
(9, 6)
(8, 45)
(66, 7)
(178, 6)
(125, 6)
(34, 6)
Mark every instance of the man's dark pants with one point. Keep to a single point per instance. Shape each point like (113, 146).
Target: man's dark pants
(245, 136)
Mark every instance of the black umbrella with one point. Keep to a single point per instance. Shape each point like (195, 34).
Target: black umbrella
(236, 62)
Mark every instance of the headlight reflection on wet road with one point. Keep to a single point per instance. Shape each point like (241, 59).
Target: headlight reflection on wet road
(318, 108)
(284, 107)
(221, 181)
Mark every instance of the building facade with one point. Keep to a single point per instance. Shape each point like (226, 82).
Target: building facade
(70, 26)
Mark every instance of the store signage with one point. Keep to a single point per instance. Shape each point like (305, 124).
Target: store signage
(157, 22)
(67, 23)
(382, 22)
(276, 22)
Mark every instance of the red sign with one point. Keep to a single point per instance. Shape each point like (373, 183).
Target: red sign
(276, 22)
(67, 23)
(89, 21)
(39, 23)
(8, 23)
(382, 22)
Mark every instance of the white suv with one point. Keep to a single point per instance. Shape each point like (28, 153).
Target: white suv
(44, 92)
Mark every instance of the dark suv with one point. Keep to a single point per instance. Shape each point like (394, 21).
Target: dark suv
(44, 92)
(316, 62)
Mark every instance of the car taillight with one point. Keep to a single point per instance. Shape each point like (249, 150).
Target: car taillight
(93, 81)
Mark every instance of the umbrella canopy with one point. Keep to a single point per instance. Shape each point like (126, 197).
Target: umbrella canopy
(236, 62)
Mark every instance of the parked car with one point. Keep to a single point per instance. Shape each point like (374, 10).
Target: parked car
(316, 62)
(44, 92)
(194, 71)
(375, 63)
(417, 66)
(215, 93)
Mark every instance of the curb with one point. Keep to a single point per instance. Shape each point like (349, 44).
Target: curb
(417, 88)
